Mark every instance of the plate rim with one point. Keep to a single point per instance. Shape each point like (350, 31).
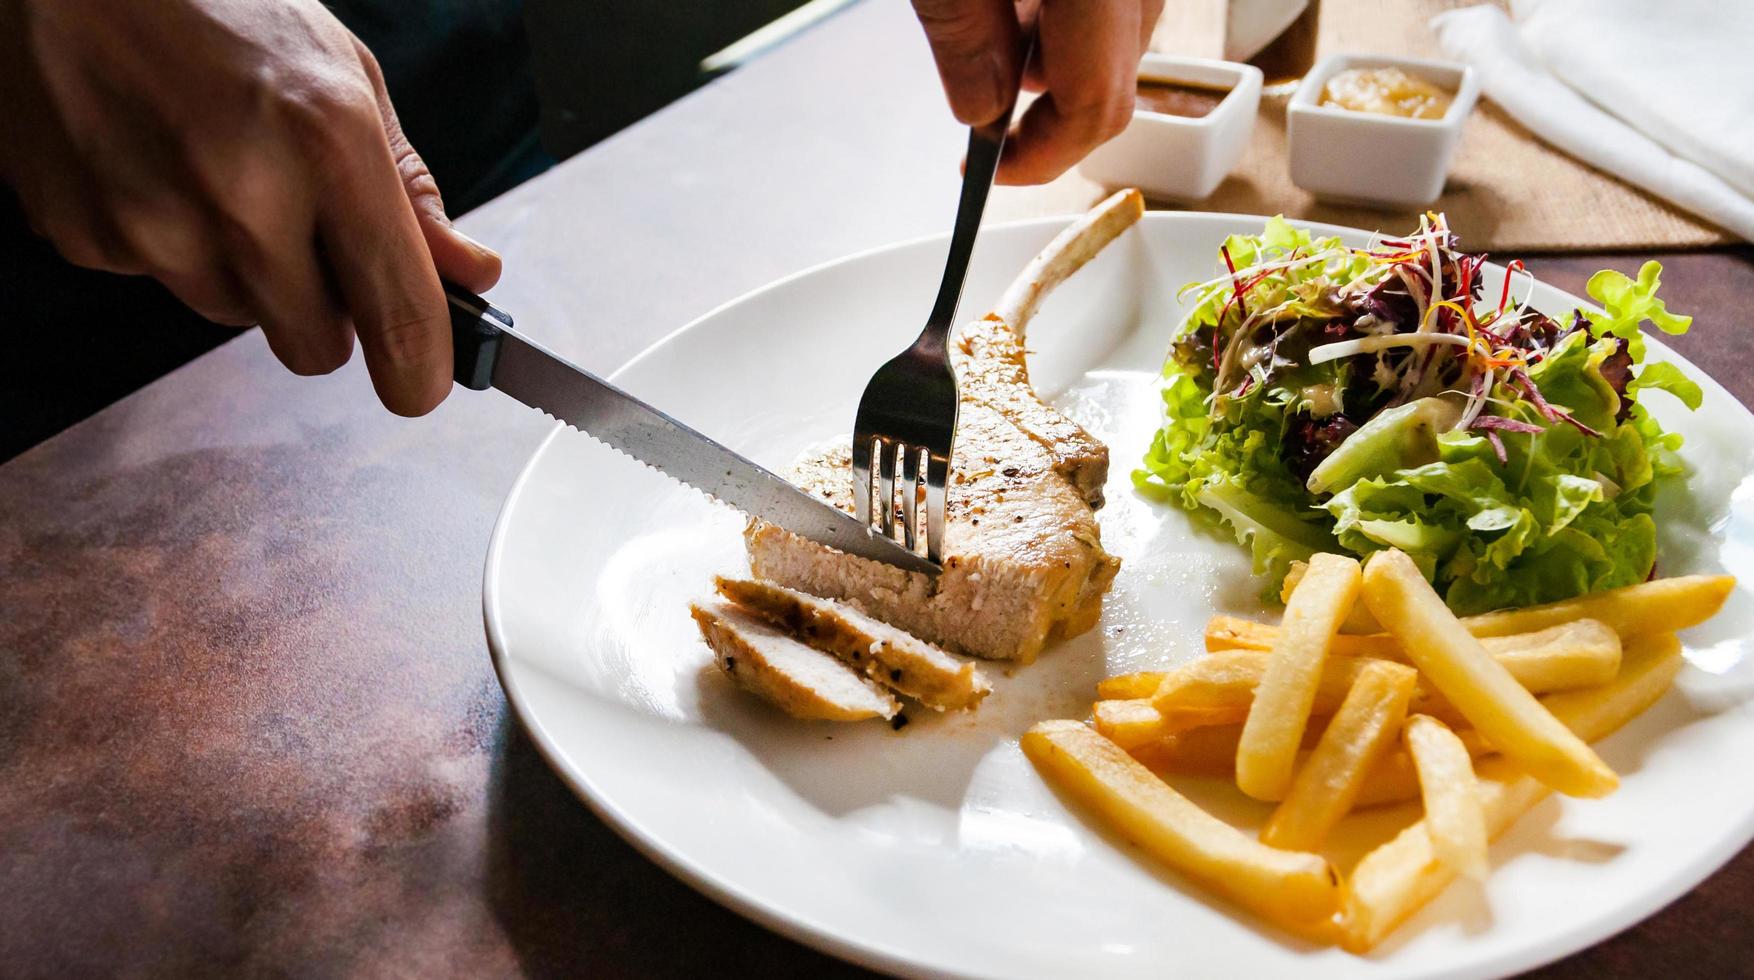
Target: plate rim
(805, 930)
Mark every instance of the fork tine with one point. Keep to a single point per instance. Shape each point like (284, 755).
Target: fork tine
(862, 478)
(910, 493)
(937, 473)
(886, 453)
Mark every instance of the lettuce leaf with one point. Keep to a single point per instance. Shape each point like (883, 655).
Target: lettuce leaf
(1229, 471)
(1628, 302)
(1664, 376)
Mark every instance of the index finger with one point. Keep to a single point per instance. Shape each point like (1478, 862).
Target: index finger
(1088, 51)
(974, 43)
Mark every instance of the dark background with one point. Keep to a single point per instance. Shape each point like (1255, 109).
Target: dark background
(492, 92)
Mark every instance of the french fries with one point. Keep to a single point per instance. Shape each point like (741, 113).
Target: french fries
(1665, 605)
(1208, 750)
(1298, 891)
(1276, 720)
(1580, 654)
(1125, 687)
(1480, 687)
(1226, 681)
(1454, 818)
(1236, 633)
(1396, 780)
(1647, 671)
(1576, 654)
(1364, 728)
(1390, 700)
(1221, 683)
(1395, 880)
(1358, 620)
(1128, 723)
(1133, 722)
(1661, 606)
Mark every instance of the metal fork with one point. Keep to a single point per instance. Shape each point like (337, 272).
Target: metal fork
(909, 409)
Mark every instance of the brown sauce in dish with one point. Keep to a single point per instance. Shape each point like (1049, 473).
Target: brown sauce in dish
(1178, 98)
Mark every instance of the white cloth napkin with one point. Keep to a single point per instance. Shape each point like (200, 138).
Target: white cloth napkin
(1669, 94)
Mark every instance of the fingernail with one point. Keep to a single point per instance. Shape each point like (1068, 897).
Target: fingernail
(473, 243)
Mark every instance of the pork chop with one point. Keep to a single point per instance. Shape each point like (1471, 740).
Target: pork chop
(1024, 561)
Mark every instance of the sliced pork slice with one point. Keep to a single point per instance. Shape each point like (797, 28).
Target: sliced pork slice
(1024, 561)
(800, 681)
(887, 655)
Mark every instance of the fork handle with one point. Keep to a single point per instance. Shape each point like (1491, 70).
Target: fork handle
(986, 144)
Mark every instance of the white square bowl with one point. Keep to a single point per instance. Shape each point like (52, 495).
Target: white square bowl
(1177, 157)
(1370, 158)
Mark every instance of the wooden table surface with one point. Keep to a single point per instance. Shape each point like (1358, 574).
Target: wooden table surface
(247, 720)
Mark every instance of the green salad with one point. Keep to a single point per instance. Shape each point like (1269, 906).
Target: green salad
(1326, 398)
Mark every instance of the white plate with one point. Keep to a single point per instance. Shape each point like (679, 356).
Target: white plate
(937, 850)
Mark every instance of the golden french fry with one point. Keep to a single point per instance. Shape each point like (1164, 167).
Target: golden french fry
(1132, 722)
(1576, 654)
(1362, 732)
(1479, 686)
(1359, 620)
(1399, 877)
(1295, 890)
(1209, 751)
(1129, 723)
(1236, 633)
(1281, 705)
(1647, 670)
(1580, 654)
(1124, 687)
(1664, 605)
(1453, 816)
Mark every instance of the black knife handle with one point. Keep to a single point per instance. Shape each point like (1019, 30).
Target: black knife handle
(476, 329)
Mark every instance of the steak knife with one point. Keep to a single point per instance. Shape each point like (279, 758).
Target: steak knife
(491, 354)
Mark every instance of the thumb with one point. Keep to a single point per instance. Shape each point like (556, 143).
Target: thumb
(974, 43)
(458, 258)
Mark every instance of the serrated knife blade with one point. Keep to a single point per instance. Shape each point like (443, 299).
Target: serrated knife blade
(490, 353)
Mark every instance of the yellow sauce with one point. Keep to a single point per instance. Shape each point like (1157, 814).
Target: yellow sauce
(1386, 91)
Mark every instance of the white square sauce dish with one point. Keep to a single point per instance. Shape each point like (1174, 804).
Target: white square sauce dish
(1375, 156)
(1191, 122)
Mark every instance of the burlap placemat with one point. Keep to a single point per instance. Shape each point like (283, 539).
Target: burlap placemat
(1507, 191)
